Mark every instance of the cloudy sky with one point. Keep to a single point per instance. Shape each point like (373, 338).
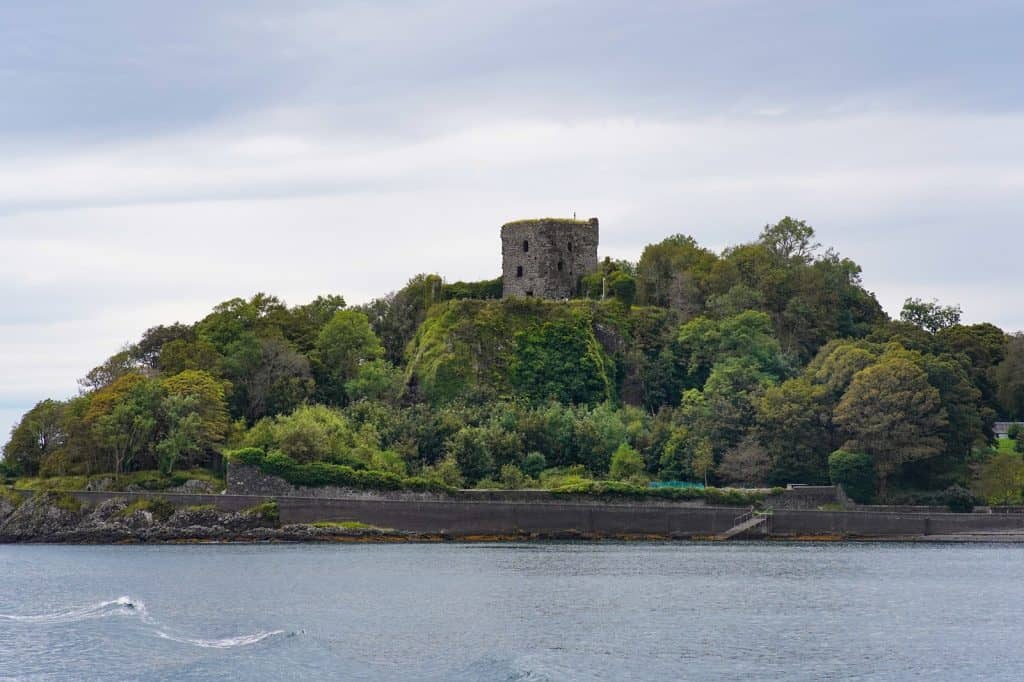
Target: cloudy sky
(157, 158)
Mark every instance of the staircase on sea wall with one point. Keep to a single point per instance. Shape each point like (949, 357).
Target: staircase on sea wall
(745, 523)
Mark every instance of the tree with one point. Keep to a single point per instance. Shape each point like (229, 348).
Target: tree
(268, 377)
(703, 460)
(206, 398)
(855, 472)
(126, 431)
(471, 451)
(674, 274)
(1009, 378)
(1000, 480)
(748, 464)
(149, 348)
(39, 433)
(179, 355)
(343, 345)
(790, 240)
(892, 413)
(113, 368)
(534, 463)
(794, 425)
(626, 464)
(929, 315)
(184, 431)
(559, 361)
(376, 380)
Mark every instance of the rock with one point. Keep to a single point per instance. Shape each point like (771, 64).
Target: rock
(99, 484)
(194, 486)
(44, 516)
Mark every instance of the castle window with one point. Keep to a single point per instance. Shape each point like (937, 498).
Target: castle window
(529, 293)
(526, 246)
(519, 271)
(560, 265)
(570, 247)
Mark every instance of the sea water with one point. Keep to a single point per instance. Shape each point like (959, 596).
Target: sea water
(537, 611)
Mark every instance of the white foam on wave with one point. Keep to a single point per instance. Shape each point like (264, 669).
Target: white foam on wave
(126, 606)
(225, 643)
(122, 606)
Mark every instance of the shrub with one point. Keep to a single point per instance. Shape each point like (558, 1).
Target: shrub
(533, 464)
(512, 477)
(959, 499)
(721, 496)
(855, 472)
(12, 498)
(160, 508)
(61, 500)
(317, 474)
(268, 512)
(626, 463)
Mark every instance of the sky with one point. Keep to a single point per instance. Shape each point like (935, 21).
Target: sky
(158, 158)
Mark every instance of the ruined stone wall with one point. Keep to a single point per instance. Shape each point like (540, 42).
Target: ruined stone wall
(546, 258)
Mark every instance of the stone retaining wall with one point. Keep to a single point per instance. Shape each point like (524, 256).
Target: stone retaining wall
(467, 517)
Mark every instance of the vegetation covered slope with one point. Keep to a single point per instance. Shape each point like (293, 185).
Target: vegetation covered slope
(749, 367)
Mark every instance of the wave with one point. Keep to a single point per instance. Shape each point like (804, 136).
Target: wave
(225, 643)
(121, 606)
(126, 606)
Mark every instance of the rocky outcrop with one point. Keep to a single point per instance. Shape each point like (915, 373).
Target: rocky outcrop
(50, 517)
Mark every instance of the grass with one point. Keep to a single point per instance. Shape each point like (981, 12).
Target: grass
(62, 500)
(147, 480)
(160, 508)
(13, 498)
(346, 525)
(267, 511)
(1006, 445)
(200, 508)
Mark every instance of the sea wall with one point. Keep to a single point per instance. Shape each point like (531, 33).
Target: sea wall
(464, 518)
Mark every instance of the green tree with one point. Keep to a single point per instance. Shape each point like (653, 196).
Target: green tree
(375, 380)
(892, 413)
(471, 451)
(561, 361)
(930, 315)
(127, 429)
(184, 435)
(268, 377)
(208, 400)
(343, 345)
(1000, 480)
(626, 464)
(703, 460)
(855, 472)
(674, 274)
(39, 433)
(794, 425)
(1008, 376)
(534, 463)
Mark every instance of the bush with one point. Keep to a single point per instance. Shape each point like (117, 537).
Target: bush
(318, 474)
(160, 508)
(512, 477)
(959, 499)
(720, 496)
(533, 464)
(855, 472)
(268, 512)
(626, 463)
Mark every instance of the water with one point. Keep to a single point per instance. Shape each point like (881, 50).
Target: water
(552, 611)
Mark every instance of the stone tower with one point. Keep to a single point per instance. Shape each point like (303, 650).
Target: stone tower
(547, 257)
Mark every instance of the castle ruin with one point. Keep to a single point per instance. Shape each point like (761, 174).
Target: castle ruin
(546, 257)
